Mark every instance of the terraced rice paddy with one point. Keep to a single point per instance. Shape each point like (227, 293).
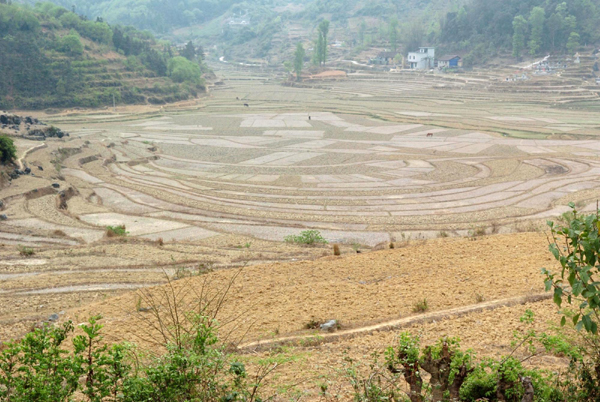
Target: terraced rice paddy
(373, 159)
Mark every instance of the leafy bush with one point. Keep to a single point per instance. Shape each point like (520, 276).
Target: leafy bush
(308, 237)
(313, 324)
(578, 282)
(71, 44)
(97, 31)
(26, 251)
(181, 69)
(453, 374)
(576, 246)
(480, 384)
(116, 231)
(70, 20)
(8, 151)
(40, 368)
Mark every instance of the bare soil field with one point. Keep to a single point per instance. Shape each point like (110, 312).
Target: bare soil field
(476, 290)
(362, 289)
(459, 173)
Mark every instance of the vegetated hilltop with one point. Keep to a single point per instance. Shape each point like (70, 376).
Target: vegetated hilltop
(482, 28)
(52, 57)
(159, 15)
(262, 28)
(477, 29)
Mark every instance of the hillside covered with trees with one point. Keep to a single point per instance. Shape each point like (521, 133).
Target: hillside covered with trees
(52, 57)
(157, 15)
(484, 27)
(271, 29)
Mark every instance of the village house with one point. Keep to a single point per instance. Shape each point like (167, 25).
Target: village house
(384, 58)
(450, 61)
(424, 59)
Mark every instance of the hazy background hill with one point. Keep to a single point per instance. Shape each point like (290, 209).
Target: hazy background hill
(270, 29)
(157, 15)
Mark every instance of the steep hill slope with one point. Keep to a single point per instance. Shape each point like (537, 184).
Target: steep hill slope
(159, 16)
(53, 58)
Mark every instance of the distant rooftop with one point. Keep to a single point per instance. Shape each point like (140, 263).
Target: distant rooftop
(449, 57)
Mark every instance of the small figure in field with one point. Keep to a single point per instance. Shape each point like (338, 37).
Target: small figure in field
(247, 105)
(309, 117)
(430, 135)
(237, 98)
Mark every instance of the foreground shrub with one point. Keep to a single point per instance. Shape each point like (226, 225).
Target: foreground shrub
(307, 237)
(8, 151)
(445, 372)
(575, 244)
(41, 368)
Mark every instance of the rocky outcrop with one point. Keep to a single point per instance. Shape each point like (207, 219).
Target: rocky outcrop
(10, 120)
(29, 127)
(47, 132)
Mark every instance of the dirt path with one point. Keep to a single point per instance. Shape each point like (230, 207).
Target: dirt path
(393, 324)
(30, 150)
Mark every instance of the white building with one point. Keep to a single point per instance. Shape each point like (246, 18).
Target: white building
(424, 59)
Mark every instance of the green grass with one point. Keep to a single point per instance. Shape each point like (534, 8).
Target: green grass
(26, 251)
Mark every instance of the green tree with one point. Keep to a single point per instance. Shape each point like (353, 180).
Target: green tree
(321, 48)
(200, 52)
(569, 25)
(8, 152)
(98, 31)
(299, 60)
(71, 44)
(537, 18)
(70, 20)
(573, 43)
(189, 52)
(520, 29)
(362, 29)
(181, 69)
(316, 57)
(393, 32)
(555, 23)
(398, 60)
(413, 34)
